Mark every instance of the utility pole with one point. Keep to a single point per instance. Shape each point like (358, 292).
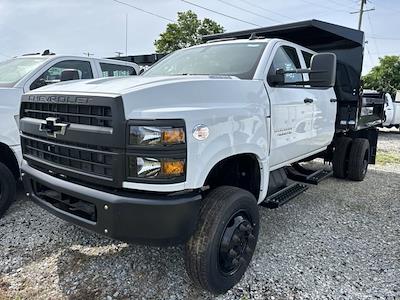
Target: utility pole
(361, 12)
(363, 2)
(88, 54)
(126, 35)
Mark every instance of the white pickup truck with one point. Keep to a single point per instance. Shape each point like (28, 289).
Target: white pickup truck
(392, 111)
(29, 72)
(185, 152)
(391, 107)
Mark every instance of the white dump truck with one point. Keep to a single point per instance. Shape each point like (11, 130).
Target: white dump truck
(188, 151)
(29, 72)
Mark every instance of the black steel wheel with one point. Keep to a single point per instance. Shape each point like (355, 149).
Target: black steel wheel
(237, 244)
(219, 252)
(7, 188)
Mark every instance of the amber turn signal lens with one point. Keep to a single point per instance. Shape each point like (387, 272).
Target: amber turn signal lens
(173, 167)
(173, 136)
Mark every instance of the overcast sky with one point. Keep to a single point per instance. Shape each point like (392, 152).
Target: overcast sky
(98, 26)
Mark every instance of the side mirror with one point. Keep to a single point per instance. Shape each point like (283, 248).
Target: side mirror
(323, 70)
(38, 83)
(277, 78)
(69, 74)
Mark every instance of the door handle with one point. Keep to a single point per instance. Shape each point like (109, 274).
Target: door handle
(308, 100)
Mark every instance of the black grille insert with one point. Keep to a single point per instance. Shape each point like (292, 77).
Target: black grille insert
(93, 115)
(67, 203)
(94, 160)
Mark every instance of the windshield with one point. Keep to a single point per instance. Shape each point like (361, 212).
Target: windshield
(238, 59)
(13, 70)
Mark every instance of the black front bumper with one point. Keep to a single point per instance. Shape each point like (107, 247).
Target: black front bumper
(134, 217)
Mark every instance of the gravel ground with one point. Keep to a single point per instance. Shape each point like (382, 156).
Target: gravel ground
(389, 140)
(339, 240)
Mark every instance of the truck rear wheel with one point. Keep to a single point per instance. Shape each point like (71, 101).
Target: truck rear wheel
(219, 252)
(359, 159)
(7, 188)
(341, 156)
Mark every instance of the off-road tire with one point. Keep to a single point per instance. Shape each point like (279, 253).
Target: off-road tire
(203, 250)
(7, 188)
(359, 159)
(341, 157)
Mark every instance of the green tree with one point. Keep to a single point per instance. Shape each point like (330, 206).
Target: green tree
(186, 32)
(385, 76)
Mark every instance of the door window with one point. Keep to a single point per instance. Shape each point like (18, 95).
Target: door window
(112, 70)
(286, 58)
(53, 74)
(307, 58)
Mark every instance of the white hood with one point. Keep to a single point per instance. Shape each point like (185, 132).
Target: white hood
(118, 85)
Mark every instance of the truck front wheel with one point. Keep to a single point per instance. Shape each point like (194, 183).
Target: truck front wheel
(219, 252)
(358, 159)
(7, 188)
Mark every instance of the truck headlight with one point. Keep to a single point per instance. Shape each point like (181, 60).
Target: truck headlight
(156, 168)
(151, 135)
(156, 151)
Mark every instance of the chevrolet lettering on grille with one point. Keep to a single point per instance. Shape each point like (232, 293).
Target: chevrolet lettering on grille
(53, 127)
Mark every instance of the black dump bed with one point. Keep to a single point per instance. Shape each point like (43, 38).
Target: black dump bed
(347, 44)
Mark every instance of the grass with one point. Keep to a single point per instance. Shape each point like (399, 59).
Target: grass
(383, 158)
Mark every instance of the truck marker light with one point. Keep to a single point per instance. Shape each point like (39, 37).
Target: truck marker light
(173, 136)
(173, 167)
(201, 132)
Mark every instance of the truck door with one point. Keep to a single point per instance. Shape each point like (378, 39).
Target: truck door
(292, 109)
(51, 73)
(325, 106)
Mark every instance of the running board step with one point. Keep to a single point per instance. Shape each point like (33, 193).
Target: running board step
(299, 173)
(284, 195)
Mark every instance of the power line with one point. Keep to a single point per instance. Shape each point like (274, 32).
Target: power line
(267, 10)
(219, 13)
(377, 37)
(324, 6)
(369, 54)
(248, 11)
(5, 55)
(381, 6)
(394, 53)
(126, 34)
(372, 31)
(342, 4)
(145, 11)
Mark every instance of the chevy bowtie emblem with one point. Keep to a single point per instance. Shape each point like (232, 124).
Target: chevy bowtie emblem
(52, 127)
